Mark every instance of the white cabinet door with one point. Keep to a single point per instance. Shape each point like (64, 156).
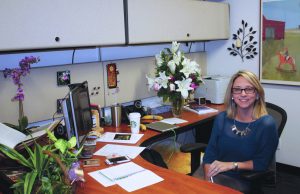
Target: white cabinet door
(152, 21)
(36, 24)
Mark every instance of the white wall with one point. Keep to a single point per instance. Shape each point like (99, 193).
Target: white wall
(220, 62)
(41, 90)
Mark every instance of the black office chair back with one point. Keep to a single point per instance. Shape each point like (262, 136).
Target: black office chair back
(279, 114)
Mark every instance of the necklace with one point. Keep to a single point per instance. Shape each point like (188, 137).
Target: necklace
(238, 132)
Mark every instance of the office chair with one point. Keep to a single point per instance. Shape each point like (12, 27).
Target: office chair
(257, 179)
(153, 157)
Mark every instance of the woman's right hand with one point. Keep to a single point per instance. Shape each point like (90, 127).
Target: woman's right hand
(211, 170)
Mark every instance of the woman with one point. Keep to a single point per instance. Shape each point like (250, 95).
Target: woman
(244, 137)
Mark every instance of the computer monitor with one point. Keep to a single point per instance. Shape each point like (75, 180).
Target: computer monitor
(77, 112)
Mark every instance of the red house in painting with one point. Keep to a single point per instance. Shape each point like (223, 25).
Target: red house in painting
(273, 29)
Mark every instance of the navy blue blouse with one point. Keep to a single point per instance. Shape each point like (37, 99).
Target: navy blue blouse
(258, 145)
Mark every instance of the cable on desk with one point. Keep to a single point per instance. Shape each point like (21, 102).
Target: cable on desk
(174, 140)
(175, 137)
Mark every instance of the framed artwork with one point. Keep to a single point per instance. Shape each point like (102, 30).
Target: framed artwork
(63, 78)
(112, 73)
(280, 42)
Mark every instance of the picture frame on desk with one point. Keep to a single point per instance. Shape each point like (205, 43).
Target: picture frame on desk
(280, 35)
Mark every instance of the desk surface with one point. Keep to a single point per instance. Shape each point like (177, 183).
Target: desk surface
(173, 182)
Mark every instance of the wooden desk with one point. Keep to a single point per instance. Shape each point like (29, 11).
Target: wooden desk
(173, 182)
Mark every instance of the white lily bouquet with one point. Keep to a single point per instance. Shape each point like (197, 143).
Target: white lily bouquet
(176, 76)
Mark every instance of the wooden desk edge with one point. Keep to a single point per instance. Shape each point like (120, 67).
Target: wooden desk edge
(173, 182)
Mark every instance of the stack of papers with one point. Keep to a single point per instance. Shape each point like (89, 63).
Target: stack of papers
(130, 138)
(120, 150)
(12, 137)
(129, 176)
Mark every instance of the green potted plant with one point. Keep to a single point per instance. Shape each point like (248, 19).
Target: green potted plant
(51, 168)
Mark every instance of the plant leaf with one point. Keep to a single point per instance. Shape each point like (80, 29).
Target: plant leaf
(39, 158)
(29, 151)
(72, 142)
(46, 184)
(29, 181)
(13, 154)
(62, 145)
(51, 136)
(23, 123)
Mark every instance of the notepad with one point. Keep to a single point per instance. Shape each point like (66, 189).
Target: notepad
(200, 109)
(161, 126)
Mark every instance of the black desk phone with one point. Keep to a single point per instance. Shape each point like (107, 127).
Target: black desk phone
(136, 107)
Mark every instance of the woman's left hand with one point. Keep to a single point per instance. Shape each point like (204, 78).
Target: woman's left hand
(217, 167)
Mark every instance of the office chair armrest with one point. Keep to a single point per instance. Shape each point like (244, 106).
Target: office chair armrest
(193, 147)
(250, 175)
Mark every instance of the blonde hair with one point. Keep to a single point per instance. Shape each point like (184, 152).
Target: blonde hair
(259, 105)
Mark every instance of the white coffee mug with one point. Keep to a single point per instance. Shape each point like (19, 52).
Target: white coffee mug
(135, 119)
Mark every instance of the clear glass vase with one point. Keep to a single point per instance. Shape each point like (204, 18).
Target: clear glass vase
(177, 106)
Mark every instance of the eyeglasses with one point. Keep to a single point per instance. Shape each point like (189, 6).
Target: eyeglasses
(240, 90)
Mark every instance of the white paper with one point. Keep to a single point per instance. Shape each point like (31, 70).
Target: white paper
(10, 137)
(173, 121)
(139, 180)
(121, 170)
(109, 137)
(98, 176)
(122, 150)
(129, 176)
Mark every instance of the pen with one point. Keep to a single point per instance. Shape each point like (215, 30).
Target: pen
(127, 175)
(211, 179)
(106, 176)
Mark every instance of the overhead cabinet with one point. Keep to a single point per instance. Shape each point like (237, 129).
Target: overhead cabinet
(46, 24)
(38, 24)
(151, 21)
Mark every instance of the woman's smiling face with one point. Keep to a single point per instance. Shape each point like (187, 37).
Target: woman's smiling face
(243, 93)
